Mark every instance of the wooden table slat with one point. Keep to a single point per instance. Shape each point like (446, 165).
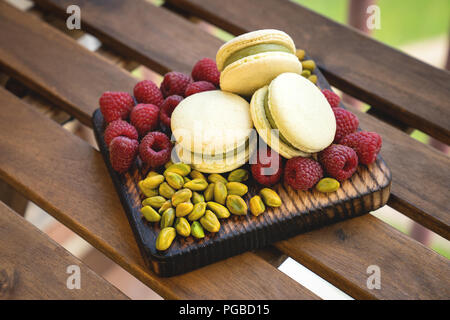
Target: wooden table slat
(33, 266)
(18, 179)
(55, 65)
(68, 178)
(408, 269)
(415, 167)
(403, 87)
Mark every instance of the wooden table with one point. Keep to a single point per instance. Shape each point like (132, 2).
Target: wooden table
(67, 177)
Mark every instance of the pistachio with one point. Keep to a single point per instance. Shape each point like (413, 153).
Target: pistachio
(186, 179)
(215, 177)
(197, 197)
(198, 211)
(197, 175)
(238, 175)
(150, 214)
(209, 192)
(183, 227)
(147, 191)
(153, 182)
(167, 218)
(184, 209)
(327, 185)
(270, 197)
(168, 164)
(220, 210)
(165, 190)
(174, 180)
(309, 65)
(210, 222)
(197, 230)
(257, 205)
(196, 185)
(166, 205)
(180, 196)
(152, 173)
(220, 192)
(237, 188)
(179, 168)
(306, 73)
(155, 202)
(300, 54)
(236, 205)
(313, 78)
(165, 238)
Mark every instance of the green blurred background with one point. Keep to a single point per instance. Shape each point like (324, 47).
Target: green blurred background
(402, 21)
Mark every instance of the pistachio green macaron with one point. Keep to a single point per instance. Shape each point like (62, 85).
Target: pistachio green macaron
(250, 61)
(212, 130)
(292, 116)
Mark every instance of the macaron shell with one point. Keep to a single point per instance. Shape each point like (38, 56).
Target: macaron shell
(219, 164)
(250, 39)
(301, 112)
(262, 125)
(247, 75)
(211, 122)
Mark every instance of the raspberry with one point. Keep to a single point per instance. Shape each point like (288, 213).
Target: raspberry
(197, 87)
(206, 70)
(120, 128)
(155, 149)
(115, 105)
(148, 92)
(332, 98)
(122, 152)
(339, 161)
(167, 107)
(302, 173)
(175, 83)
(366, 145)
(145, 118)
(268, 167)
(346, 123)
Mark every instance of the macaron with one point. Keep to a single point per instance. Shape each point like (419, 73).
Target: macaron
(212, 131)
(301, 114)
(251, 60)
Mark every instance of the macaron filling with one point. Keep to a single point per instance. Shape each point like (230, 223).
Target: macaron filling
(225, 155)
(272, 121)
(255, 49)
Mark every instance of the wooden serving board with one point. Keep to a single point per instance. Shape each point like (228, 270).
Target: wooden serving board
(301, 211)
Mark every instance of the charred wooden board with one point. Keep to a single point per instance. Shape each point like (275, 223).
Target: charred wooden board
(301, 211)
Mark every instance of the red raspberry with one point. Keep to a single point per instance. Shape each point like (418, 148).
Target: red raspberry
(148, 92)
(206, 70)
(122, 152)
(155, 149)
(332, 98)
(115, 105)
(145, 118)
(346, 123)
(339, 161)
(302, 173)
(268, 167)
(366, 145)
(197, 87)
(175, 83)
(167, 107)
(120, 128)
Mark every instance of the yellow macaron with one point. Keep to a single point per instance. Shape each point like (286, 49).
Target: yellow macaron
(301, 115)
(212, 131)
(250, 61)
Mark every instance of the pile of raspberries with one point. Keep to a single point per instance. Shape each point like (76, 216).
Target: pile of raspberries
(339, 161)
(134, 123)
